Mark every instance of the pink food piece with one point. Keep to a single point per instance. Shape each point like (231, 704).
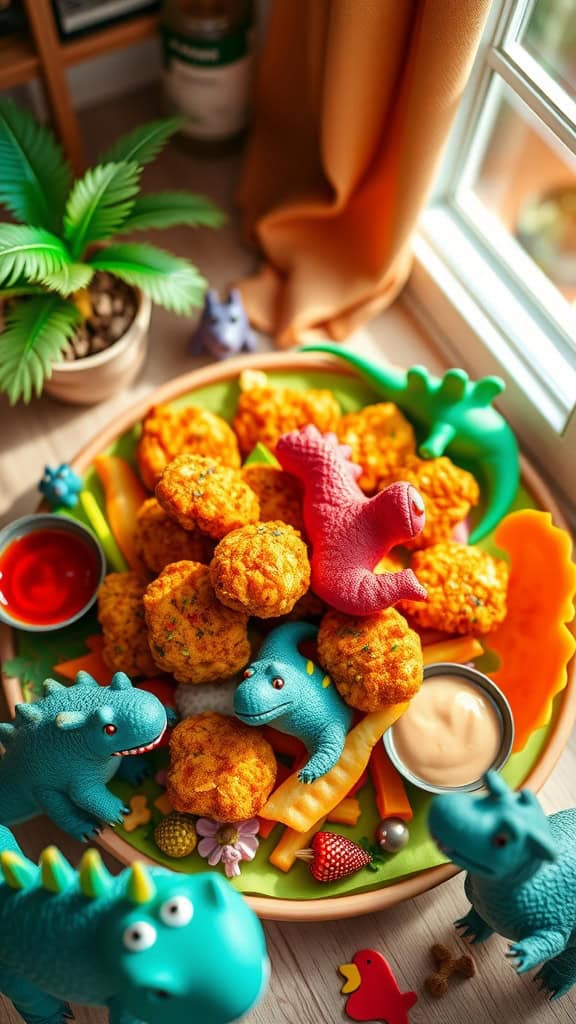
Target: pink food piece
(350, 533)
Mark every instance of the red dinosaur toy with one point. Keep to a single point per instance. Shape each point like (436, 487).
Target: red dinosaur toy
(374, 992)
(349, 532)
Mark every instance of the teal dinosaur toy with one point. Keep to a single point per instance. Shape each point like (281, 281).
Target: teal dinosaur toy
(459, 420)
(521, 877)
(286, 688)
(150, 945)
(61, 751)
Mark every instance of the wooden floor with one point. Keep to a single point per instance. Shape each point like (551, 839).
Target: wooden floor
(305, 985)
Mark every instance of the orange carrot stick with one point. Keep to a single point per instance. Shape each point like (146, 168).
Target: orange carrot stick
(123, 495)
(459, 650)
(92, 663)
(347, 812)
(358, 785)
(300, 805)
(391, 798)
(283, 855)
(282, 743)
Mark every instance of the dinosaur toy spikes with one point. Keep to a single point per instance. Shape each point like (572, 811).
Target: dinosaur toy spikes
(120, 681)
(85, 679)
(57, 874)
(95, 880)
(25, 713)
(18, 872)
(139, 885)
(456, 417)
(50, 686)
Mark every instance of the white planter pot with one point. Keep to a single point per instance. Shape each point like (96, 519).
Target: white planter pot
(95, 378)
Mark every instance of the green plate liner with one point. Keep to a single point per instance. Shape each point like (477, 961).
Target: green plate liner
(258, 877)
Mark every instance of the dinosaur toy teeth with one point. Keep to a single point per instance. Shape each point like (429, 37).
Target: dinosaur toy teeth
(132, 751)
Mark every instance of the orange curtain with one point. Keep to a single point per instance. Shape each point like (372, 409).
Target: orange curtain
(354, 102)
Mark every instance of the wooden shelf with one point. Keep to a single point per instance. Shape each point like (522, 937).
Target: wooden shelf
(19, 61)
(44, 55)
(115, 37)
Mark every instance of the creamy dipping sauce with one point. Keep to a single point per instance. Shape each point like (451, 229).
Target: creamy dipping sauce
(451, 733)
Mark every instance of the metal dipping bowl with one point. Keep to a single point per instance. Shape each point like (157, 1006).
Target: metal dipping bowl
(503, 712)
(45, 521)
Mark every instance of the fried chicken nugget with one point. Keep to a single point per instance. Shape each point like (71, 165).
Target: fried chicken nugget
(380, 437)
(219, 768)
(265, 413)
(449, 493)
(261, 569)
(121, 615)
(466, 589)
(278, 494)
(159, 540)
(168, 432)
(200, 493)
(374, 660)
(191, 634)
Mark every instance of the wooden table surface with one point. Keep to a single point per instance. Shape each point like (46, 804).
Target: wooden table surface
(305, 985)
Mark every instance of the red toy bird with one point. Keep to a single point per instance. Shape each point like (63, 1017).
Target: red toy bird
(374, 990)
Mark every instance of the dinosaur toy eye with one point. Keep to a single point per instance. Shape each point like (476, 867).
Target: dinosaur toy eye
(500, 840)
(277, 683)
(177, 912)
(247, 673)
(110, 729)
(139, 936)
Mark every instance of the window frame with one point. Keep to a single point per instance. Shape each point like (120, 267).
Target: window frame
(485, 326)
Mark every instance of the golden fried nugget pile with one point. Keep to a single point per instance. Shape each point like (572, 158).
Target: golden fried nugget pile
(219, 768)
(191, 634)
(466, 589)
(262, 569)
(278, 494)
(380, 437)
(167, 433)
(448, 492)
(200, 493)
(121, 615)
(160, 540)
(265, 413)
(374, 660)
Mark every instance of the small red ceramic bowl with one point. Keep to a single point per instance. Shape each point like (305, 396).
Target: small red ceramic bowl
(50, 571)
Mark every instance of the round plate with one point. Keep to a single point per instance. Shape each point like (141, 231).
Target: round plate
(550, 744)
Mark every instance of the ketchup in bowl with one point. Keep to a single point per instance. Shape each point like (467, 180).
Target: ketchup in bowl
(49, 574)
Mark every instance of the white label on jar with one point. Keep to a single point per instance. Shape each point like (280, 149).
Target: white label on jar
(214, 100)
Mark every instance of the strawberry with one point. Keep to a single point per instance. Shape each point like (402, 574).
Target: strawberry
(333, 856)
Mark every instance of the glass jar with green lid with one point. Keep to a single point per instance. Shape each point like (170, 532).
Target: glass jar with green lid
(208, 64)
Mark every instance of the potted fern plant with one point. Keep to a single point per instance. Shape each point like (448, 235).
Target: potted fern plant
(68, 290)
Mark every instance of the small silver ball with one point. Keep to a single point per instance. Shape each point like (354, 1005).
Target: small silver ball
(392, 835)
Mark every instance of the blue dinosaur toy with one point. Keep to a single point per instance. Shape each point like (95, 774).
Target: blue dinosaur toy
(61, 751)
(521, 877)
(150, 945)
(288, 689)
(223, 329)
(61, 486)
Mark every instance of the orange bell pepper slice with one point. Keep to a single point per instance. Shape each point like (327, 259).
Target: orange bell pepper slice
(534, 643)
(391, 797)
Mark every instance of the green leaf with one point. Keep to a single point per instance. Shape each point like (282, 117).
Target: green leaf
(172, 282)
(143, 144)
(29, 252)
(34, 336)
(164, 209)
(69, 279)
(99, 204)
(34, 176)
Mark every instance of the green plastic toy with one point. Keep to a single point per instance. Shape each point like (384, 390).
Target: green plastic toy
(459, 420)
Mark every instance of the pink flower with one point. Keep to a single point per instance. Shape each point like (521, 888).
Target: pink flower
(229, 844)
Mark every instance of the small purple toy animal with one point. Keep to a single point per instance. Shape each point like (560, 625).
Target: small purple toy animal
(223, 329)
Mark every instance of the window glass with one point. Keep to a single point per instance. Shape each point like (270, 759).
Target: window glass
(527, 180)
(548, 33)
